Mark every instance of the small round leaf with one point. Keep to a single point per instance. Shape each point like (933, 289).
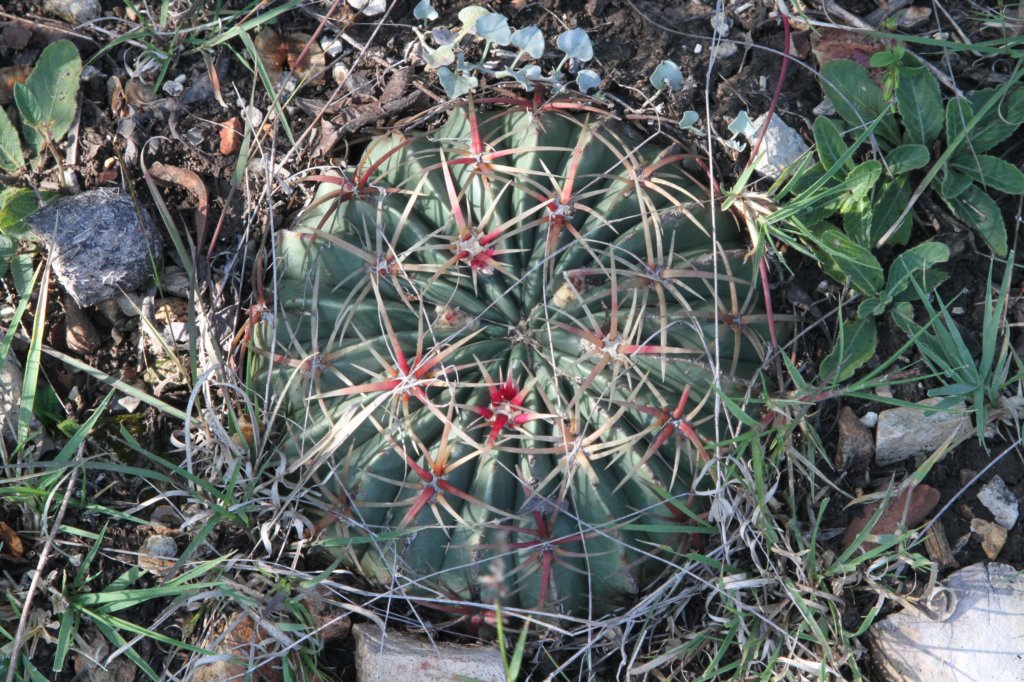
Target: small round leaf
(587, 80)
(576, 44)
(424, 11)
(667, 74)
(493, 27)
(529, 40)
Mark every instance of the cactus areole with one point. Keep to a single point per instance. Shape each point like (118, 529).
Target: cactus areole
(494, 351)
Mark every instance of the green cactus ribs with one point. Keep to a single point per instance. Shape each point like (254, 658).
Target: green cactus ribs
(494, 348)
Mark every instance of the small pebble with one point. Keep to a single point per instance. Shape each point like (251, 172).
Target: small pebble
(993, 537)
(1000, 500)
(158, 554)
(73, 11)
(721, 24)
(869, 420)
(725, 50)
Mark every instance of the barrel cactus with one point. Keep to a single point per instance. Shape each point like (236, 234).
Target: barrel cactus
(493, 350)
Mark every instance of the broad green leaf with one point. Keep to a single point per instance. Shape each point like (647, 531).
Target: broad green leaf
(1014, 108)
(16, 204)
(857, 99)
(8, 249)
(829, 141)
(993, 127)
(914, 262)
(952, 183)
(991, 172)
(850, 261)
(857, 220)
(903, 315)
(977, 209)
(958, 113)
(11, 158)
(854, 347)
(48, 98)
(920, 104)
(887, 205)
(862, 180)
(908, 157)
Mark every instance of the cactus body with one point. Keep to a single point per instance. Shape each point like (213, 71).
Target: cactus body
(494, 350)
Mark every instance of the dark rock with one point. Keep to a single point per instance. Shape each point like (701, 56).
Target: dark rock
(100, 245)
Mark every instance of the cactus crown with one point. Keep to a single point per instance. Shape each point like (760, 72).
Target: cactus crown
(494, 350)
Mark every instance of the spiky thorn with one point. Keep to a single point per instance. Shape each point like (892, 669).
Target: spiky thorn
(672, 423)
(472, 245)
(547, 551)
(433, 485)
(506, 405)
(608, 345)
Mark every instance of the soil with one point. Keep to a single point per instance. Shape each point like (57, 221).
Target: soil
(630, 38)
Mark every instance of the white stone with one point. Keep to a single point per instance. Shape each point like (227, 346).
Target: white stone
(725, 49)
(869, 420)
(781, 148)
(404, 657)
(1000, 500)
(721, 24)
(370, 8)
(824, 108)
(979, 641)
(906, 432)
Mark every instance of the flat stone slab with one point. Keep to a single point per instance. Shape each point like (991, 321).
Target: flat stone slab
(100, 244)
(982, 640)
(404, 657)
(906, 432)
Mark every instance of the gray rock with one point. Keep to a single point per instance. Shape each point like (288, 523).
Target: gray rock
(402, 657)
(781, 148)
(73, 11)
(976, 639)
(1000, 500)
(11, 380)
(906, 432)
(99, 244)
(158, 554)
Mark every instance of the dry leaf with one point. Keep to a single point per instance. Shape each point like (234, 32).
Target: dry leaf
(79, 333)
(231, 136)
(12, 544)
(194, 185)
(856, 444)
(917, 502)
(9, 75)
(830, 44)
(281, 53)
